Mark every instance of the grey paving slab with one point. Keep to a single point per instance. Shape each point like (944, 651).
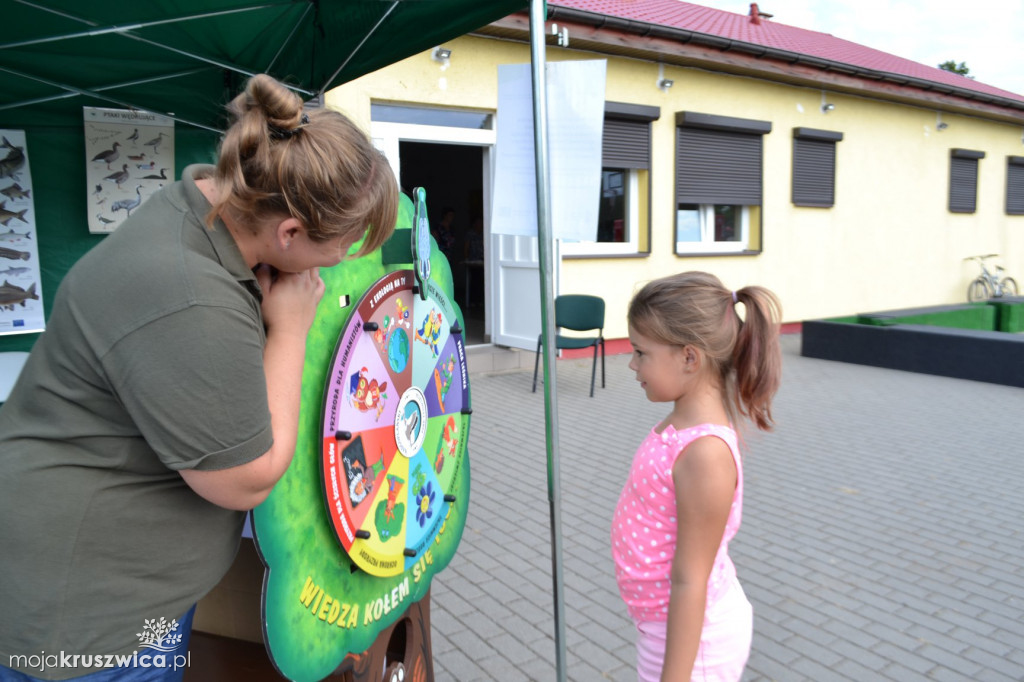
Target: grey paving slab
(882, 534)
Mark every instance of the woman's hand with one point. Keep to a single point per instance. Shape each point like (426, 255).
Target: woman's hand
(289, 298)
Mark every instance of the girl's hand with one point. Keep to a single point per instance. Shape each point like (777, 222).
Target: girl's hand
(289, 298)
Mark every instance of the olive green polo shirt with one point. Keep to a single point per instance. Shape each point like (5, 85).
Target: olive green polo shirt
(152, 362)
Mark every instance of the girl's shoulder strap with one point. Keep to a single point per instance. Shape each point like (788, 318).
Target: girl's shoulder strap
(688, 435)
(684, 437)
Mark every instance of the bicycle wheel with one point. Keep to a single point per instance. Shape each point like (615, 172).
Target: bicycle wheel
(980, 290)
(1009, 286)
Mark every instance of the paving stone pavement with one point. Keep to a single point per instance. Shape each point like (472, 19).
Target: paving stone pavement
(882, 538)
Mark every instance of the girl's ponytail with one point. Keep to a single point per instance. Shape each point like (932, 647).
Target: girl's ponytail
(756, 359)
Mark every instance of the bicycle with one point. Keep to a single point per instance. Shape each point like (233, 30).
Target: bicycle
(988, 284)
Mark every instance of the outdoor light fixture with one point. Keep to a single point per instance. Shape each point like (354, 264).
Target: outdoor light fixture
(441, 54)
(939, 123)
(663, 83)
(826, 106)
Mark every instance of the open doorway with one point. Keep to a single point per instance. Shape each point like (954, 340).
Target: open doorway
(453, 177)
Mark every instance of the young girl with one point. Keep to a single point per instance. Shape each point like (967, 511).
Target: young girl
(683, 498)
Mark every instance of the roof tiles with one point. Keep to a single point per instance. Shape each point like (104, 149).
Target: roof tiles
(772, 34)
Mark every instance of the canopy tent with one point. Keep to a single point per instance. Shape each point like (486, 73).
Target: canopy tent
(185, 58)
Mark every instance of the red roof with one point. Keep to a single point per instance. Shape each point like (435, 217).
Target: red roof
(771, 34)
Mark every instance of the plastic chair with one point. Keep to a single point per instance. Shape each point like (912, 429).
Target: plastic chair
(581, 313)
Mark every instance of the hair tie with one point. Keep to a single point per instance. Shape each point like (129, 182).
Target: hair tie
(734, 300)
(279, 133)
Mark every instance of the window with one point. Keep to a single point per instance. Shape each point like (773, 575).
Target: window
(963, 180)
(449, 118)
(814, 167)
(623, 224)
(1015, 185)
(718, 183)
(712, 225)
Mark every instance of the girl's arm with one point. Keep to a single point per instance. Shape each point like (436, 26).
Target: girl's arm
(705, 480)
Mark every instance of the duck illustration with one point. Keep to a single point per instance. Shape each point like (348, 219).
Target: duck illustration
(155, 142)
(105, 221)
(137, 157)
(128, 204)
(108, 155)
(133, 137)
(146, 166)
(162, 176)
(120, 177)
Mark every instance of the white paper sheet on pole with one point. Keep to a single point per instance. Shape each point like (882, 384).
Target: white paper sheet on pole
(575, 97)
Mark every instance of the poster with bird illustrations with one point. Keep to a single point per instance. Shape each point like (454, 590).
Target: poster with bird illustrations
(21, 301)
(129, 155)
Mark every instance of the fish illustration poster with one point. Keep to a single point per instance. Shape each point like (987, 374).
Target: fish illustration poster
(129, 155)
(21, 301)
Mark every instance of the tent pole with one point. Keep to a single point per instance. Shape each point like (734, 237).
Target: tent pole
(538, 14)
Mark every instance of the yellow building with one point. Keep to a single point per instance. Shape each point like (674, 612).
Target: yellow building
(850, 182)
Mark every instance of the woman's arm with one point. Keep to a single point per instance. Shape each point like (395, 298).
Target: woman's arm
(705, 480)
(289, 306)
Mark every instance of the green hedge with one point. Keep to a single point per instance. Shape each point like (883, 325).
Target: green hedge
(982, 317)
(1010, 314)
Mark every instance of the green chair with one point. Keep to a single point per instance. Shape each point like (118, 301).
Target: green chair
(580, 313)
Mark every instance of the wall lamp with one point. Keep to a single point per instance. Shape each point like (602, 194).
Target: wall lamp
(939, 123)
(441, 54)
(663, 83)
(826, 106)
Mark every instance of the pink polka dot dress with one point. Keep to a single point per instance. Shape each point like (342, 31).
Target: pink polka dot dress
(644, 543)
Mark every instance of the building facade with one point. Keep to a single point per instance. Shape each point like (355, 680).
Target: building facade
(844, 179)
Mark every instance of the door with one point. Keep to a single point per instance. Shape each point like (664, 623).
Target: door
(454, 163)
(516, 264)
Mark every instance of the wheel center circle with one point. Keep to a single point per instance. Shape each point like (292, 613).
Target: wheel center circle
(411, 422)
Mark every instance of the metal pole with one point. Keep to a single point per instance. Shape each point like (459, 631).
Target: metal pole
(538, 13)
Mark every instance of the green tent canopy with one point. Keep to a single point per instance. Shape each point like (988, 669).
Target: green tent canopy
(185, 58)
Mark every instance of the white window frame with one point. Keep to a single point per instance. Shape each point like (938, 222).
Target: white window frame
(632, 245)
(707, 244)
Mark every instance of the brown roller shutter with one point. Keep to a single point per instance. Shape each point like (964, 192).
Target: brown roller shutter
(1015, 185)
(718, 167)
(626, 144)
(963, 180)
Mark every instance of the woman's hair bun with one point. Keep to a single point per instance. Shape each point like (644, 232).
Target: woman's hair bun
(278, 105)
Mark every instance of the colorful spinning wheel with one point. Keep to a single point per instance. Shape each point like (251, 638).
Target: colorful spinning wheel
(395, 423)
